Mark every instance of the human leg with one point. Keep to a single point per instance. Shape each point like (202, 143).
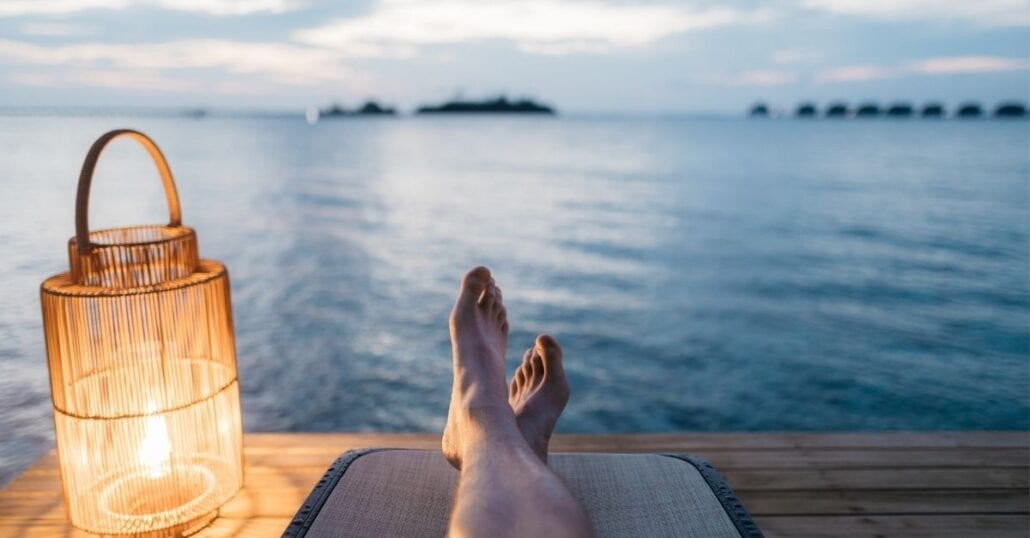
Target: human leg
(505, 488)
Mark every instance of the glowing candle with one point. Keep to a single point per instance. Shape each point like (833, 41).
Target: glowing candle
(155, 452)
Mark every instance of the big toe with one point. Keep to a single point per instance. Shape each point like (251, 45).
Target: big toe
(547, 348)
(475, 282)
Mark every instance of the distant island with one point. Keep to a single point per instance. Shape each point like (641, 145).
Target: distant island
(370, 108)
(500, 105)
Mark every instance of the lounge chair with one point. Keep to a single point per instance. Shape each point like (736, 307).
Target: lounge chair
(394, 492)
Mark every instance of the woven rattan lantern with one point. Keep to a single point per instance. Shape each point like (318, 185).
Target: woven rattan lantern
(139, 340)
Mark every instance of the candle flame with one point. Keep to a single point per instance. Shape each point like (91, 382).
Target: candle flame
(155, 452)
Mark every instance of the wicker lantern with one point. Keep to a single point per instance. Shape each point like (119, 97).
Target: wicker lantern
(140, 345)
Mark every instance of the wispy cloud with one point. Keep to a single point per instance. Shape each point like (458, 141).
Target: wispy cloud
(13, 8)
(950, 65)
(764, 77)
(794, 56)
(750, 78)
(54, 29)
(855, 73)
(968, 65)
(399, 27)
(276, 62)
(988, 12)
(99, 78)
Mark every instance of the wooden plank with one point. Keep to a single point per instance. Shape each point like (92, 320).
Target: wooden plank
(748, 459)
(32, 483)
(726, 460)
(878, 526)
(283, 503)
(322, 447)
(843, 502)
(247, 528)
(661, 442)
(856, 479)
(872, 526)
(280, 503)
(750, 479)
(759, 441)
(223, 526)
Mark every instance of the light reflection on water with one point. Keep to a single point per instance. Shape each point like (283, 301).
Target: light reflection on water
(701, 274)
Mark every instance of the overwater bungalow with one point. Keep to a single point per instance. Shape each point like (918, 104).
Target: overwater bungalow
(932, 110)
(837, 110)
(899, 110)
(868, 110)
(806, 110)
(1010, 110)
(969, 110)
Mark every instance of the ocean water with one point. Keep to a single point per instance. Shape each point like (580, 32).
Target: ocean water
(701, 274)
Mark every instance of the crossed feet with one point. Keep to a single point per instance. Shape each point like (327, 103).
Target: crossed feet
(481, 404)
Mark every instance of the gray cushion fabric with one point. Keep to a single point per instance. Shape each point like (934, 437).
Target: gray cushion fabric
(409, 493)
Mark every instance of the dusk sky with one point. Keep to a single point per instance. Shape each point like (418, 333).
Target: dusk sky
(582, 56)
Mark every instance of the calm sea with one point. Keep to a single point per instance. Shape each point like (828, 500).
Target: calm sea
(702, 274)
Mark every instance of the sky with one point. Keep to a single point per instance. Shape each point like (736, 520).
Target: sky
(578, 55)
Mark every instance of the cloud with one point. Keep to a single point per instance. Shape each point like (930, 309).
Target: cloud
(794, 56)
(54, 29)
(988, 12)
(399, 27)
(756, 77)
(951, 65)
(968, 64)
(107, 79)
(280, 63)
(13, 8)
(765, 78)
(855, 73)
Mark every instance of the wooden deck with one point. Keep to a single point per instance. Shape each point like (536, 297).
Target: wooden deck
(894, 484)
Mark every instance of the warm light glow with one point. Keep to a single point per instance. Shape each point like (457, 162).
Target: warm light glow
(155, 452)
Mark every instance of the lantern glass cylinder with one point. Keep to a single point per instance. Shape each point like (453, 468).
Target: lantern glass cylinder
(140, 346)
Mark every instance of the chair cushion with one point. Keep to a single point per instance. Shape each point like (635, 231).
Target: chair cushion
(392, 492)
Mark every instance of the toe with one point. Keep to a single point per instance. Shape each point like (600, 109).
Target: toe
(488, 298)
(549, 350)
(475, 282)
(537, 367)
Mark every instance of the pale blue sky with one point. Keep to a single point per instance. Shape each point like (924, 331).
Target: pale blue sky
(582, 56)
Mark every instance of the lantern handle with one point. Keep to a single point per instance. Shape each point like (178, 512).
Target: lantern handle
(86, 178)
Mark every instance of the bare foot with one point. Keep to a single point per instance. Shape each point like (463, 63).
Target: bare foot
(479, 340)
(538, 393)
